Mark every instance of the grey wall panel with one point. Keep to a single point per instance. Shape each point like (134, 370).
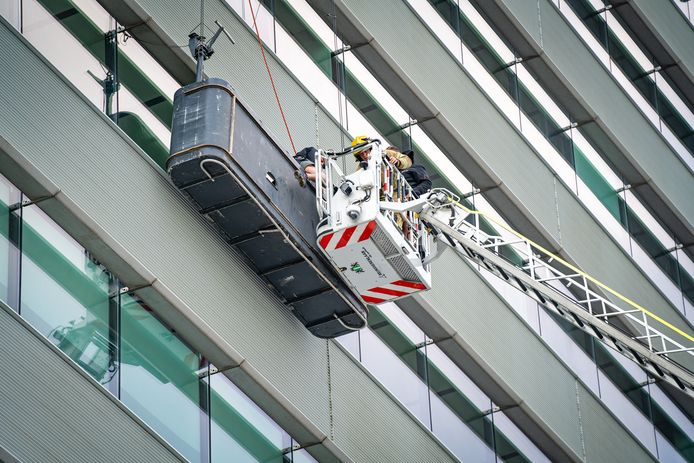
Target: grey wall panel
(514, 352)
(49, 412)
(605, 440)
(604, 261)
(500, 146)
(672, 27)
(639, 140)
(404, 442)
(127, 197)
(509, 347)
(478, 123)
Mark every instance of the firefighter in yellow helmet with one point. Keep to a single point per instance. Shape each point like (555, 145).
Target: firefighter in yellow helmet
(393, 155)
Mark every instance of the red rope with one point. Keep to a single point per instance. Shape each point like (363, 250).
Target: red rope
(269, 73)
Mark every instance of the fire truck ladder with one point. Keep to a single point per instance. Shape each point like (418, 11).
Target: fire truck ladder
(660, 348)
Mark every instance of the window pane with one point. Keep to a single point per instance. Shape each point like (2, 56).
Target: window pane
(65, 294)
(159, 380)
(9, 237)
(240, 431)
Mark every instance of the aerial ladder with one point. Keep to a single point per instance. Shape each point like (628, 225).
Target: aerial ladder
(383, 240)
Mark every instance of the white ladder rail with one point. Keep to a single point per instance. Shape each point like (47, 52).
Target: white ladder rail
(591, 312)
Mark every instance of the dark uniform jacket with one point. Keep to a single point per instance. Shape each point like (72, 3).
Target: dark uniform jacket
(418, 179)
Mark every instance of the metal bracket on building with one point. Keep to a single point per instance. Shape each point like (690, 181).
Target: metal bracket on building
(30, 202)
(409, 124)
(428, 342)
(340, 51)
(295, 447)
(206, 372)
(132, 289)
(629, 186)
(472, 192)
(490, 411)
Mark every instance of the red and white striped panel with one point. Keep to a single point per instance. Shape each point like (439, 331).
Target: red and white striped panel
(391, 291)
(348, 236)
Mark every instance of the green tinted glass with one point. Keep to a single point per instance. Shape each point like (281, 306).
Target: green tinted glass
(142, 135)
(65, 294)
(240, 431)
(159, 379)
(9, 242)
(416, 359)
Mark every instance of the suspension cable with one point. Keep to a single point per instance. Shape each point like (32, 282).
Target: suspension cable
(269, 73)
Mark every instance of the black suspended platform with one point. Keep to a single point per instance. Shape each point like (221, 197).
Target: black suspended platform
(240, 180)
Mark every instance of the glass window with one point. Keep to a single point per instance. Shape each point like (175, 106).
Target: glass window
(11, 11)
(65, 294)
(9, 242)
(462, 438)
(385, 365)
(159, 379)
(240, 431)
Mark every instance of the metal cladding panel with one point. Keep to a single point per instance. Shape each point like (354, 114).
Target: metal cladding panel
(328, 134)
(528, 13)
(605, 439)
(395, 435)
(640, 140)
(506, 345)
(477, 124)
(672, 27)
(122, 193)
(503, 148)
(128, 196)
(52, 413)
(609, 264)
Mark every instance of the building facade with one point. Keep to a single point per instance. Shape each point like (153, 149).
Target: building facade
(131, 331)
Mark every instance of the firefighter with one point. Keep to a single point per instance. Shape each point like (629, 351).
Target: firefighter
(416, 175)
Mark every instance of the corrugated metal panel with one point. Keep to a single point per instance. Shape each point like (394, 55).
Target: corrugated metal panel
(528, 13)
(605, 440)
(394, 435)
(503, 149)
(122, 192)
(82, 152)
(506, 344)
(609, 102)
(672, 27)
(52, 413)
(328, 133)
(473, 116)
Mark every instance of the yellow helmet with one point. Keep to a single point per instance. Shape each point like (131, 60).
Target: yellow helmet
(360, 139)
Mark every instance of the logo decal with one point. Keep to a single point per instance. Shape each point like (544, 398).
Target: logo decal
(356, 268)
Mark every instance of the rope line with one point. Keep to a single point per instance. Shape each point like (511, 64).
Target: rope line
(269, 73)
(577, 270)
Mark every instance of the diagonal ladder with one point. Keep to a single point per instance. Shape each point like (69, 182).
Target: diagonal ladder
(660, 348)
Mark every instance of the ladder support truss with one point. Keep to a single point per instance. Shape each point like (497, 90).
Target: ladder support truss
(559, 288)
